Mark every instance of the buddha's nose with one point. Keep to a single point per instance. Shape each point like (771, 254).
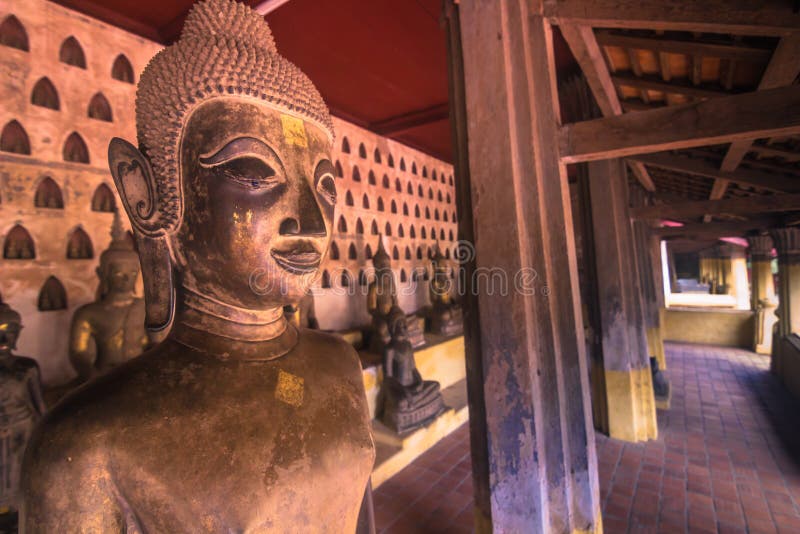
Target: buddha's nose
(307, 219)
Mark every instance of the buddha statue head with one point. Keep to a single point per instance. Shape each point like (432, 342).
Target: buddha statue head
(232, 184)
(119, 264)
(382, 263)
(10, 327)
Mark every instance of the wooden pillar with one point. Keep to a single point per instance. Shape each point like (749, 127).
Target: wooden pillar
(626, 359)
(787, 244)
(541, 455)
(762, 293)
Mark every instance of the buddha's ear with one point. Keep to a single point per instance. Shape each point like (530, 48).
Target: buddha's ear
(137, 189)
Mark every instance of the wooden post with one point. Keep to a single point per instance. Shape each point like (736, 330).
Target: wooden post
(762, 294)
(542, 460)
(626, 359)
(787, 244)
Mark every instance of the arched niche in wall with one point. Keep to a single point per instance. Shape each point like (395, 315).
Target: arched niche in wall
(342, 225)
(14, 139)
(441, 234)
(362, 151)
(345, 145)
(423, 233)
(413, 167)
(334, 251)
(18, 244)
(351, 252)
(444, 216)
(433, 175)
(380, 204)
(430, 193)
(412, 232)
(397, 185)
(359, 227)
(403, 276)
(100, 109)
(13, 34)
(368, 252)
(48, 195)
(402, 164)
(388, 229)
(416, 212)
(439, 196)
(122, 69)
(407, 254)
(52, 295)
(374, 230)
(436, 214)
(419, 253)
(348, 199)
(451, 235)
(427, 213)
(371, 178)
(356, 174)
(338, 169)
(409, 188)
(390, 161)
(75, 149)
(385, 182)
(79, 245)
(103, 199)
(365, 202)
(420, 192)
(424, 171)
(393, 207)
(71, 53)
(400, 231)
(377, 156)
(326, 279)
(44, 94)
(362, 278)
(405, 209)
(346, 279)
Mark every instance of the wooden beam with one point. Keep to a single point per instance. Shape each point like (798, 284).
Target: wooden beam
(746, 116)
(411, 120)
(782, 70)
(732, 206)
(717, 192)
(717, 229)
(738, 52)
(657, 84)
(584, 46)
(764, 17)
(709, 169)
(771, 152)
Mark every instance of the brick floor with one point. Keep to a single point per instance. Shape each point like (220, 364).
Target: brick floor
(727, 460)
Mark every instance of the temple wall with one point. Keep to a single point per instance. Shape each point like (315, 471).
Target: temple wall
(732, 328)
(417, 208)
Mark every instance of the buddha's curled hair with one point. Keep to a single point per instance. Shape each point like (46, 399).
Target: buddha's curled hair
(225, 48)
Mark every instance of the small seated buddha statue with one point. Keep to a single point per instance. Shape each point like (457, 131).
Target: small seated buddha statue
(446, 316)
(237, 421)
(302, 314)
(381, 298)
(21, 406)
(111, 330)
(408, 401)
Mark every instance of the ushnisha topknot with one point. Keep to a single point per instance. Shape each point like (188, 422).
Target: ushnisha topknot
(225, 48)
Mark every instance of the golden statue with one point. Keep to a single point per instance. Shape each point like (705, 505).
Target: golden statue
(110, 331)
(381, 298)
(446, 316)
(302, 314)
(237, 421)
(21, 406)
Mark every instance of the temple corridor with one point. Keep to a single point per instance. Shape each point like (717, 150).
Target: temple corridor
(727, 459)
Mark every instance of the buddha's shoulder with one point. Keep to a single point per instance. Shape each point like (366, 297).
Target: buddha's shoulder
(331, 347)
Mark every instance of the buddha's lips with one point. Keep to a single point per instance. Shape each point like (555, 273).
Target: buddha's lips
(297, 261)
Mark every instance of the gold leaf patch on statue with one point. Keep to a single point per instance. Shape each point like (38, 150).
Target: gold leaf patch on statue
(294, 131)
(289, 389)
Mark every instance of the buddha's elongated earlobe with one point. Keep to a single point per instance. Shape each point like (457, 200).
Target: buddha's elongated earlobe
(137, 189)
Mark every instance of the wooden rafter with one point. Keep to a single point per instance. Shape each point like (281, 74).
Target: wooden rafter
(738, 52)
(657, 84)
(746, 116)
(765, 17)
(732, 206)
(584, 46)
(782, 70)
(717, 229)
(710, 169)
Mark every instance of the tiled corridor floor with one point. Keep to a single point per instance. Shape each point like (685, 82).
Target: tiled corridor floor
(727, 460)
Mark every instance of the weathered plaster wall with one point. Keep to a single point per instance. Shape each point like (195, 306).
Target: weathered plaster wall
(424, 203)
(732, 328)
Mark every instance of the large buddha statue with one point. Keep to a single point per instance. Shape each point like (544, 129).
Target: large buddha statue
(381, 298)
(237, 421)
(21, 406)
(111, 330)
(446, 316)
(408, 401)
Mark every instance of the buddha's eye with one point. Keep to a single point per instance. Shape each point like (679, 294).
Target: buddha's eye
(325, 182)
(250, 172)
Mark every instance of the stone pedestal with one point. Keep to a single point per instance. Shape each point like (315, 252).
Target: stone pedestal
(787, 244)
(763, 300)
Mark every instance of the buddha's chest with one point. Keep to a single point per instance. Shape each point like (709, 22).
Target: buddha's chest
(280, 459)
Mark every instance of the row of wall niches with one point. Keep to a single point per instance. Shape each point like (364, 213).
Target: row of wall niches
(378, 158)
(19, 244)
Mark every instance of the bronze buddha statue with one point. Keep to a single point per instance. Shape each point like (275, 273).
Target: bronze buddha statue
(21, 406)
(237, 421)
(381, 298)
(446, 317)
(111, 330)
(408, 401)
(302, 313)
